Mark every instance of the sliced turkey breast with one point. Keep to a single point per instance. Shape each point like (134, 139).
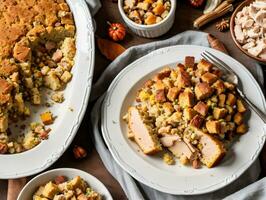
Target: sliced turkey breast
(212, 150)
(143, 133)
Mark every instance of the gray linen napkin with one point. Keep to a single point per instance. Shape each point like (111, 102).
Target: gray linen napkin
(133, 189)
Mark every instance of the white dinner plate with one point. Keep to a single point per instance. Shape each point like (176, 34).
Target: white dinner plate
(69, 114)
(151, 170)
(31, 187)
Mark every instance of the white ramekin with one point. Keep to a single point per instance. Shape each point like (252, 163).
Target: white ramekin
(150, 31)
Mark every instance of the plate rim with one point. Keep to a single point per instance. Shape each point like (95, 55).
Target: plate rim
(132, 171)
(58, 152)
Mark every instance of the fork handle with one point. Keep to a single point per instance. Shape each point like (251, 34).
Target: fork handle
(252, 106)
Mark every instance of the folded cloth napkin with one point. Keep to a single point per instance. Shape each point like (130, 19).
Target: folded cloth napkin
(133, 189)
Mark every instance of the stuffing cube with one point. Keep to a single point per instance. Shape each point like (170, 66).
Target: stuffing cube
(213, 127)
(188, 113)
(189, 61)
(186, 99)
(240, 106)
(47, 118)
(209, 77)
(3, 123)
(229, 86)
(183, 79)
(76, 183)
(228, 118)
(52, 81)
(66, 77)
(50, 190)
(160, 96)
(201, 108)
(238, 118)
(5, 86)
(159, 85)
(163, 74)
(204, 65)
(203, 90)
(197, 121)
(168, 108)
(219, 113)
(158, 9)
(172, 93)
(151, 19)
(231, 99)
(241, 129)
(143, 5)
(222, 98)
(219, 86)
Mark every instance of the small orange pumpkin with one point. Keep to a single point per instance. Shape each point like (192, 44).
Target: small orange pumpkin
(116, 31)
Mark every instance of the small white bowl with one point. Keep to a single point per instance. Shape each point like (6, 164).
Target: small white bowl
(150, 31)
(31, 187)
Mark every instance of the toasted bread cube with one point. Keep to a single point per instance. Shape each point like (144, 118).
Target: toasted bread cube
(52, 81)
(189, 61)
(159, 9)
(231, 99)
(238, 118)
(240, 106)
(229, 86)
(151, 19)
(204, 65)
(183, 79)
(201, 108)
(66, 77)
(35, 197)
(76, 183)
(197, 121)
(219, 113)
(222, 98)
(143, 5)
(228, 118)
(159, 85)
(242, 129)
(188, 113)
(213, 127)
(219, 86)
(163, 74)
(203, 90)
(186, 99)
(50, 190)
(47, 118)
(209, 78)
(3, 123)
(172, 93)
(168, 108)
(160, 96)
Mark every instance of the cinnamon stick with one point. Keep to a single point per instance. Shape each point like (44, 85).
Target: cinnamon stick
(14, 187)
(221, 10)
(216, 44)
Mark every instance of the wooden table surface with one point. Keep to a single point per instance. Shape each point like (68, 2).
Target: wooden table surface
(109, 12)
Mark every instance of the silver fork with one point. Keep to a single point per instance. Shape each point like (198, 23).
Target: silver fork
(231, 76)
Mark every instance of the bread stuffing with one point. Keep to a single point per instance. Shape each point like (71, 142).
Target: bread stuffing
(189, 113)
(62, 189)
(147, 12)
(37, 49)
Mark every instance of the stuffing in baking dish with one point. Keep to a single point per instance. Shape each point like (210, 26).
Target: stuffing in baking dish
(37, 49)
(189, 111)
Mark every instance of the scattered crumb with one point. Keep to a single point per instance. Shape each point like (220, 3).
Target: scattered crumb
(168, 159)
(58, 97)
(71, 109)
(47, 118)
